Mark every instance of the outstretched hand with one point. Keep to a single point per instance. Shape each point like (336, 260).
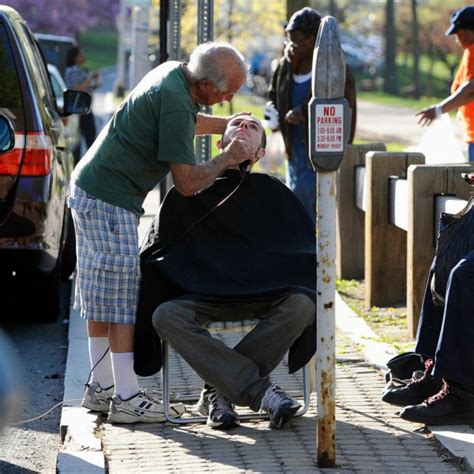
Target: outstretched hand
(426, 116)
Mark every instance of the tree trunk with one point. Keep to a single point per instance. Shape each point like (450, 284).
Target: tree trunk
(390, 76)
(294, 5)
(416, 50)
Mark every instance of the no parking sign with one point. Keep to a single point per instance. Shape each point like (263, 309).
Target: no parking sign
(329, 128)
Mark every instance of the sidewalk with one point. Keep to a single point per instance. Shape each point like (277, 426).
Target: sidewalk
(369, 435)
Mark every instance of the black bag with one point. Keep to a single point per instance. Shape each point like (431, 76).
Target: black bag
(455, 241)
(403, 368)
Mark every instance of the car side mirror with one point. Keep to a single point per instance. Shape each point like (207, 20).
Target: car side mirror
(76, 102)
(7, 135)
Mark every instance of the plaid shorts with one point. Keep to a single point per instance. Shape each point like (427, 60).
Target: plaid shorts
(108, 264)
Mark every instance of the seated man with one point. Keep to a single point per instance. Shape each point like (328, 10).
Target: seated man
(444, 395)
(242, 249)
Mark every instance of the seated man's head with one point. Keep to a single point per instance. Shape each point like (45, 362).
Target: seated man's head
(248, 129)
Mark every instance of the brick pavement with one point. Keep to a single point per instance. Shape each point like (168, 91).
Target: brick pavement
(369, 435)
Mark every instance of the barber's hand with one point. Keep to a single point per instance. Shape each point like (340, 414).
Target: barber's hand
(295, 116)
(239, 151)
(426, 116)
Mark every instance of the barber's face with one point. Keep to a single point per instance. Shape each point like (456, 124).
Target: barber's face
(210, 94)
(245, 128)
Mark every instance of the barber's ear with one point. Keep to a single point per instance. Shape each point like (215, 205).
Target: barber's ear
(219, 144)
(260, 153)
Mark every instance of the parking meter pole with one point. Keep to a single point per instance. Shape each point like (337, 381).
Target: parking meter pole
(325, 358)
(329, 121)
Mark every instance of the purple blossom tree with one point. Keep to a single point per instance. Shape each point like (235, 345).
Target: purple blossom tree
(65, 17)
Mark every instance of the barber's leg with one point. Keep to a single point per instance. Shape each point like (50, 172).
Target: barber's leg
(282, 321)
(232, 374)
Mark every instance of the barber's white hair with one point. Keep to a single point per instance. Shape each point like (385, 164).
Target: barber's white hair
(211, 61)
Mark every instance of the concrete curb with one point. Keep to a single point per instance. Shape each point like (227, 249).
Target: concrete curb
(81, 450)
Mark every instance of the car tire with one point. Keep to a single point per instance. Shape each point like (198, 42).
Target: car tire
(68, 252)
(48, 295)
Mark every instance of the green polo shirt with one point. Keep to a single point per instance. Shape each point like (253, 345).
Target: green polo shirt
(153, 127)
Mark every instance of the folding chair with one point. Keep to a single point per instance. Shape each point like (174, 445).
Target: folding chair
(308, 387)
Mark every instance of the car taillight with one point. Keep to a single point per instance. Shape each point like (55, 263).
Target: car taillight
(38, 155)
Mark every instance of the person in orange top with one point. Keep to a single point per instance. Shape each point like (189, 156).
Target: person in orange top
(462, 88)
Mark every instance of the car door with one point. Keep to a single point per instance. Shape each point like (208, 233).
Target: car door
(11, 105)
(54, 133)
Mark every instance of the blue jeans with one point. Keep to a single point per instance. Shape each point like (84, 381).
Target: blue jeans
(447, 334)
(301, 179)
(470, 152)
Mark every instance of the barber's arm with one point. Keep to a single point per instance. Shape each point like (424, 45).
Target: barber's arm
(213, 124)
(460, 97)
(210, 124)
(190, 179)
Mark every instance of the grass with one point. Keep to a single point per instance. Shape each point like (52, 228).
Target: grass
(391, 146)
(388, 323)
(100, 46)
(435, 80)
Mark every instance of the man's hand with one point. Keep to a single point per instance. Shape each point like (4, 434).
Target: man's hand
(295, 115)
(238, 151)
(426, 116)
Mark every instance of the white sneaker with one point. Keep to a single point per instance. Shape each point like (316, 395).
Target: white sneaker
(97, 398)
(141, 408)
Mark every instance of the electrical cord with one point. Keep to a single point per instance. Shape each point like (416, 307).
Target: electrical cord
(23, 422)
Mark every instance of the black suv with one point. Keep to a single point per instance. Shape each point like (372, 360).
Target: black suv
(36, 233)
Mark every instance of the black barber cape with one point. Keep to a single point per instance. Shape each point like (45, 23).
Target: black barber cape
(259, 242)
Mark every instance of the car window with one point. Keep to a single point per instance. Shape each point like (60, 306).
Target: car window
(10, 92)
(57, 87)
(36, 67)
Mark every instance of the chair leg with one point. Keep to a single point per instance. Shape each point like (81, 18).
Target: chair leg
(165, 390)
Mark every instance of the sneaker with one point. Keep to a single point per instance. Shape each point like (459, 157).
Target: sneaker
(450, 406)
(418, 390)
(97, 398)
(219, 411)
(141, 408)
(279, 406)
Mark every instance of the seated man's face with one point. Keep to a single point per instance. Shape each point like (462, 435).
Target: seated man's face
(246, 128)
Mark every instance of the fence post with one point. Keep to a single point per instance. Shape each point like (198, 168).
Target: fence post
(350, 220)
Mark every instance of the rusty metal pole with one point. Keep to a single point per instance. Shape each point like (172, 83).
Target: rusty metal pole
(329, 127)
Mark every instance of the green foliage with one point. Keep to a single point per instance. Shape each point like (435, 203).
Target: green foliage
(100, 46)
(247, 25)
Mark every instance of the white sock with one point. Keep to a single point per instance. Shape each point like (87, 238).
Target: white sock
(102, 373)
(126, 383)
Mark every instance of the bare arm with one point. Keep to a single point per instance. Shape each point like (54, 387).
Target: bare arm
(210, 124)
(190, 179)
(460, 97)
(213, 124)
